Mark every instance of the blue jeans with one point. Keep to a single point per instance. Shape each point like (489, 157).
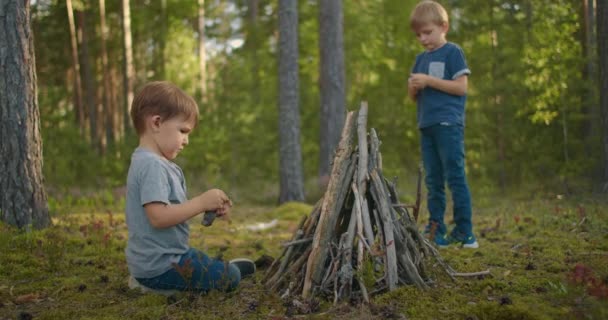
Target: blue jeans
(443, 159)
(196, 272)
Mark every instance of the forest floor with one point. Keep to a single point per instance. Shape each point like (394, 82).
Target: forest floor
(548, 259)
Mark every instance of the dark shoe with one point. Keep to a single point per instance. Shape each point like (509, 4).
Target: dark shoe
(246, 266)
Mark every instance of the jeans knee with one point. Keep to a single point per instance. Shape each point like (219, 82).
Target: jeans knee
(234, 276)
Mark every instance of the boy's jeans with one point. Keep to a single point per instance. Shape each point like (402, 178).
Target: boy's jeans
(443, 159)
(196, 272)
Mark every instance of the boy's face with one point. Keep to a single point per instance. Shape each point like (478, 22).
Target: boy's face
(171, 135)
(431, 36)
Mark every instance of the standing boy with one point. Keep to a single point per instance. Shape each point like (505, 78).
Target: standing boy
(438, 84)
(157, 208)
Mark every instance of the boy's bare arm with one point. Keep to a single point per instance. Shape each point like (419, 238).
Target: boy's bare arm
(412, 91)
(457, 87)
(163, 215)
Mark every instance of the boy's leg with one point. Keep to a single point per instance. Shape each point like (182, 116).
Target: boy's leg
(197, 272)
(434, 178)
(451, 142)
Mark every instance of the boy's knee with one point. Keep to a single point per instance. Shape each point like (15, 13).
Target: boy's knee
(234, 277)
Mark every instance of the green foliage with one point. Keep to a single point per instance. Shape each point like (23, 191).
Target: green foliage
(529, 109)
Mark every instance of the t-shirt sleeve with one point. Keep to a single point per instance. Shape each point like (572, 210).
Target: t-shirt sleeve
(154, 186)
(457, 63)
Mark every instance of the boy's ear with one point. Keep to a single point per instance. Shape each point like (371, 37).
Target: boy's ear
(154, 122)
(446, 27)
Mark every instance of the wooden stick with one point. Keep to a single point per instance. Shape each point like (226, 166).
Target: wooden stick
(375, 150)
(329, 215)
(296, 242)
(285, 260)
(362, 176)
(291, 271)
(360, 253)
(418, 193)
(382, 201)
(471, 274)
(313, 218)
(272, 267)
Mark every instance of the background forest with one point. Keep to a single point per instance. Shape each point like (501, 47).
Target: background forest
(532, 114)
(263, 72)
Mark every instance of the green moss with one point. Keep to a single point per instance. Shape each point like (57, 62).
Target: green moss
(77, 269)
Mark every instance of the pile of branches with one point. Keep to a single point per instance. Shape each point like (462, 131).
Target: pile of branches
(359, 240)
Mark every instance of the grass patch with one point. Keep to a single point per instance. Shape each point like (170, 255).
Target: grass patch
(548, 260)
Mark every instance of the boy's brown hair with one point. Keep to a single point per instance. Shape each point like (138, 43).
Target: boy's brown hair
(428, 11)
(164, 99)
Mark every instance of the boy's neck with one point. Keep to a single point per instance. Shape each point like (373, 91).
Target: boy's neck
(146, 142)
(439, 46)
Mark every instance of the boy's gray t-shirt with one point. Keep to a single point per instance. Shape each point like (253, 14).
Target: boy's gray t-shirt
(151, 251)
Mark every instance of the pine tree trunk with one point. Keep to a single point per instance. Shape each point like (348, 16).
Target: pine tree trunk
(129, 70)
(108, 106)
(602, 53)
(252, 46)
(202, 51)
(290, 154)
(89, 81)
(332, 87)
(77, 85)
(161, 41)
(23, 201)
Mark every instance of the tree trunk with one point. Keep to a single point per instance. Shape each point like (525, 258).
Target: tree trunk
(602, 53)
(108, 106)
(332, 88)
(201, 50)
(23, 201)
(161, 42)
(129, 71)
(77, 86)
(290, 154)
(89, 81)
(252, 46)
(497, 105)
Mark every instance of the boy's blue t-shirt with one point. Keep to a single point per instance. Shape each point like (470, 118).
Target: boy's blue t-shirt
(151, 251)
(435, 106)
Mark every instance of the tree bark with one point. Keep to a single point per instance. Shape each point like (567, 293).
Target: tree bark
(89, 81)
(160, 38)
(290, 154)
(252, 45)
(77, 86)
(129, 70)
(201, 51)
(108, 106)
(602, 53)
(23, 201)
(331, 84)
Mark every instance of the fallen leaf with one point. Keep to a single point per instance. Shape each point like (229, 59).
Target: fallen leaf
(26, 298)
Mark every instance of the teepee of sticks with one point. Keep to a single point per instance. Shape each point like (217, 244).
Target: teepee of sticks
(358, 240)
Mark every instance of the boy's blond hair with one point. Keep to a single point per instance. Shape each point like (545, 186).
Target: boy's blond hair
(164, 99)
(428, 11)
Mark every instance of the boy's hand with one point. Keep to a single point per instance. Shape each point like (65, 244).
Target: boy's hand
(411, 85)
(215, 200)
(418, 81)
